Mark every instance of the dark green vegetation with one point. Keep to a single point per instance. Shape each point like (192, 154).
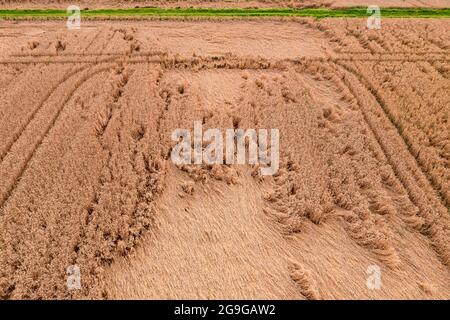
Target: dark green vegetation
(234, 12)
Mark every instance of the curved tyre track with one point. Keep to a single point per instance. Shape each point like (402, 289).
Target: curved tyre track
(389, 116)
(16, 135)
(67, 76)
(31, 116)
(7, 190)
(405, 166)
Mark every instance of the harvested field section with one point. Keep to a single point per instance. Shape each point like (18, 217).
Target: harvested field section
(15, 116)
(86, 157)
(31, 196)
(430, 216)
(7, 75)
(87, 177)
(414, 37)
(341, 184)
(413, 94)
(422, 113)
(244, 257)
(274, 40)
(101, 40)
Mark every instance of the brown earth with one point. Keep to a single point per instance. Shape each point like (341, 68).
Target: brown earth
(87, 180)
(221, 3)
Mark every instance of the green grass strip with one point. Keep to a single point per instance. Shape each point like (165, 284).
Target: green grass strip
(232, 12)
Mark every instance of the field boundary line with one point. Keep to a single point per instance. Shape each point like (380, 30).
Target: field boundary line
(149, 12)
(136, 58)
